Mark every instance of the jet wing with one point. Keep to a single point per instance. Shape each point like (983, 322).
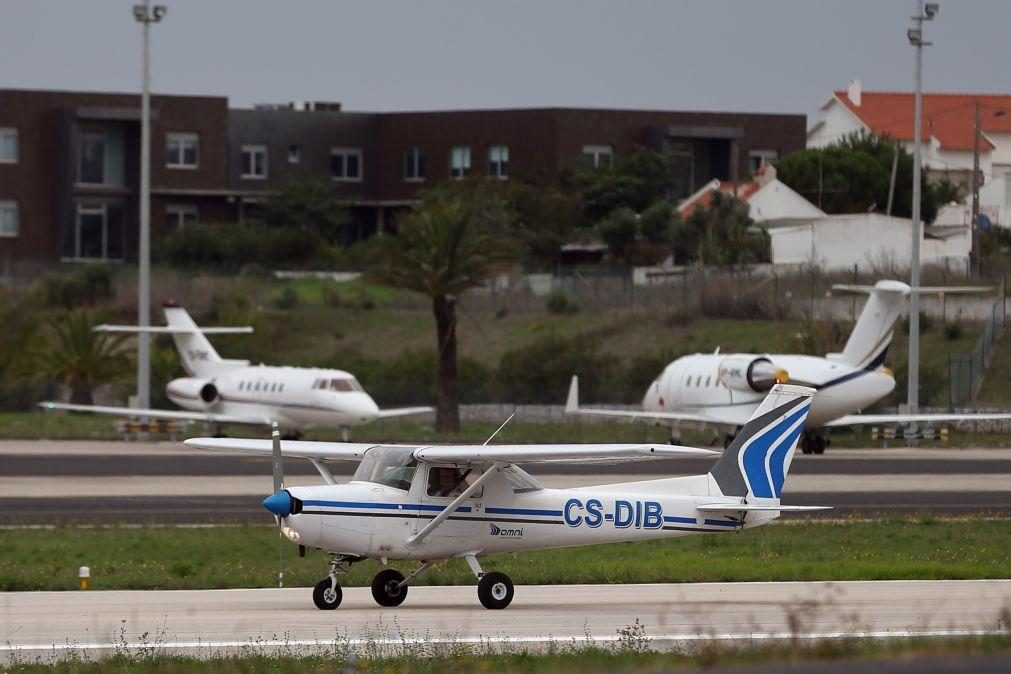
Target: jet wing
(582, 453)
(572, 407)
(183, 415)
(864, 419)
(301, 449)
(404, 411)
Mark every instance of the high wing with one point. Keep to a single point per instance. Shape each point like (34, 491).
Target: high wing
(183, 415)
(403, 411)
(864, 419)
(572, 407)
(583, 453)
(301, 449)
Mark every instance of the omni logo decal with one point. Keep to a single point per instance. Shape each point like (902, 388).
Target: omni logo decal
(505, 533)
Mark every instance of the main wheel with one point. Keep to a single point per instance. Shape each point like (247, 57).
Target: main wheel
(386, 588)
(819, 444)
(806, 444)
(495, 590)
(326, 595)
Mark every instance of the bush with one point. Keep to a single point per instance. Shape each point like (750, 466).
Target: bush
(558, 302)
(287, 299)
(234, 246)
(87, 286)
(540, 372)
(926, 323)
(618, 230)
(410, 377)
(953, 331)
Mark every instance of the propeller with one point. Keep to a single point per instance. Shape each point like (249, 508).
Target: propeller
(278, 502)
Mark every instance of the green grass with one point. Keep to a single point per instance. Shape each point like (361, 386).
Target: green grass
(246, 556)
(626, 655)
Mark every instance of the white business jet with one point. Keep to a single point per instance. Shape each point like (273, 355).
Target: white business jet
(723, 390)
(221, 391)
(450, 502)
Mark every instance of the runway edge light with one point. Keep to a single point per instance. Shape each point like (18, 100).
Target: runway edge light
(84, 573)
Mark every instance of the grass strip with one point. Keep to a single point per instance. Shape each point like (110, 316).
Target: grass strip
(247, 556)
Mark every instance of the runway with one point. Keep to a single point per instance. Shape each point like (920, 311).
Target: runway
(672, 616)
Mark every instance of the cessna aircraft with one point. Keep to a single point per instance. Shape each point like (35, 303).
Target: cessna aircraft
(723, 390)
(436, 503)
(224, 391)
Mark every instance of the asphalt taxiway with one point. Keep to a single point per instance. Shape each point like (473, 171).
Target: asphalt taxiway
(59, 624)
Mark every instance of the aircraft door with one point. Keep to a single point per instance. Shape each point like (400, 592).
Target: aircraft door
(442, 484)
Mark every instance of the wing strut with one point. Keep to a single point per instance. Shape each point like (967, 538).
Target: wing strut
(454, 504)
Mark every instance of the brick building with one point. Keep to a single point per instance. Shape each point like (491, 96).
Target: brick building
(69, 161)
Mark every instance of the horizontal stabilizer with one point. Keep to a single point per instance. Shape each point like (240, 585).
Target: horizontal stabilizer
(171, 330)
(393, 412)
(755, 507)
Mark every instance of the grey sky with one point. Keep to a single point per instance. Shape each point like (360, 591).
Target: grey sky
(769, 56)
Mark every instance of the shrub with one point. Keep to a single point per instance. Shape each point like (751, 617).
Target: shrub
(540, 372)
(287, 299)
(953, 331)
(86, 286)
(558, 302)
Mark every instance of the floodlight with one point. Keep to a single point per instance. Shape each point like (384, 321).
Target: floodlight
(159, 12)
(915, 36)
(930, 10)
(140, 12)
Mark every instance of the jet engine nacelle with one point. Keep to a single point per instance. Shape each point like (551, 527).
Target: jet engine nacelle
(203, 390)
(748, 373)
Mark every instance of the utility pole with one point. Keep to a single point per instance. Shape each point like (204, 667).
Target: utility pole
(974, 256)
(923, 13)
(145, 15)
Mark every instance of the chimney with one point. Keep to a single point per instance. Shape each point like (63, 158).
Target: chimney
(853, 93)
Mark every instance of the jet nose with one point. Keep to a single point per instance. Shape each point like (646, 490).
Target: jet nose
(366, 409)
(279, 503)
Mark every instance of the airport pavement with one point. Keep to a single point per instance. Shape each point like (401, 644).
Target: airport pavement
(52, 482)
(61, 624)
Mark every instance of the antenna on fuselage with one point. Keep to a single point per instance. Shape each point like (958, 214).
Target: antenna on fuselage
(499, 429)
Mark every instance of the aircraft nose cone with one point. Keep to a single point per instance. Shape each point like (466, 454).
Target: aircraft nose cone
(368, 410)
(279, 503)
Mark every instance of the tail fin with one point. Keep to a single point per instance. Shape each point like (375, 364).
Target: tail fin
(195, 351)
(872, 335)
(757, 461)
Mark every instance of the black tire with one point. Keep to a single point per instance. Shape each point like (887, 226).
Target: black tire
(386, 590)
(805, 444)
(819, 444)
(324, 599)
(495, 590)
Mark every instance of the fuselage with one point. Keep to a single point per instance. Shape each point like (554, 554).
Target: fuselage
(695, 384)
(295, 397)
(512, 512)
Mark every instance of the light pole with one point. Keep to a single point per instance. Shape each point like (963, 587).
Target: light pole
(146, 15)
(923, 13)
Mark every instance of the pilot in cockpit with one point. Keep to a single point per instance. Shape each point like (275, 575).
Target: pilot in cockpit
(445, 481)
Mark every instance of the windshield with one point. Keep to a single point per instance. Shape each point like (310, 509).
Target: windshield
(389, 466)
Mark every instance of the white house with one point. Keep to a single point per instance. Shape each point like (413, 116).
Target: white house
(948, 123)
(770, 201)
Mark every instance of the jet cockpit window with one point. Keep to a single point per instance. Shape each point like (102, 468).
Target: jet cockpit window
(450, 481)
(342, 385)
(389, 466)
(355, 386)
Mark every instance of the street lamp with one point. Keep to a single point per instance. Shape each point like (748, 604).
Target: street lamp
(146, 15)
(915, 35)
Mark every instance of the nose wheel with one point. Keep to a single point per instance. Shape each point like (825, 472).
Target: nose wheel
(327, 594)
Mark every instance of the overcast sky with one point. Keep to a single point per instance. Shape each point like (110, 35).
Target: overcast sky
(762, 56)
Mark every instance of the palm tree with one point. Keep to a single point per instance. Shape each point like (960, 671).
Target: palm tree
(454, 239)
(79, 358)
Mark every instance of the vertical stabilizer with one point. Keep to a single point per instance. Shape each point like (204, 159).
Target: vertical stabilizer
(198, 357)
(757, 461)
(872, 335)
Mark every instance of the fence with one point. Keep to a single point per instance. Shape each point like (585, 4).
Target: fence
(965, 370)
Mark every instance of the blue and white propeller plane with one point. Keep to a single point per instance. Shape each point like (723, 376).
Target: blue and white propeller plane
(432, 503)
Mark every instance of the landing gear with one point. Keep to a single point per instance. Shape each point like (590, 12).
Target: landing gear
(813, 443)
(389, 588)
(494, 590)
(293, 435)
(327, 594)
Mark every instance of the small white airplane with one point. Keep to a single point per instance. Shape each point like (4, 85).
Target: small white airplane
(220, 391)
(723, 390)
(436, 503)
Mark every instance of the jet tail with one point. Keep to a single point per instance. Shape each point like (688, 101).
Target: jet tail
(872, 335)
(755, 465)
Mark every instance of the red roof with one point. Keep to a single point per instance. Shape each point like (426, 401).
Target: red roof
(742, 191)
(947, 117)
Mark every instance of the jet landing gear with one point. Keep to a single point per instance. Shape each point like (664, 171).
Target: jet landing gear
(812, 442)
(327, 594)
(494, 590)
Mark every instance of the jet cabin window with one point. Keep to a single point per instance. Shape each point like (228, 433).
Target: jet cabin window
(450, 481)
(389, 466)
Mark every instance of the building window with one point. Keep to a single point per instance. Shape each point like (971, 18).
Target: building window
(98, 234)
(294, 154)
(91, 164)
(759, 158)
(8, 146)
(8, 218)
(595, 156)
(346, 164)
(459, 162)
(178, 216)
(682, 164)
(414, 164)
(182, 150)
(498, 161)
(254, 162)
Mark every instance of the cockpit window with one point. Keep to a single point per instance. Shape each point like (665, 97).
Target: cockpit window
(520, 480)
(344, 385)
(389, 466)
